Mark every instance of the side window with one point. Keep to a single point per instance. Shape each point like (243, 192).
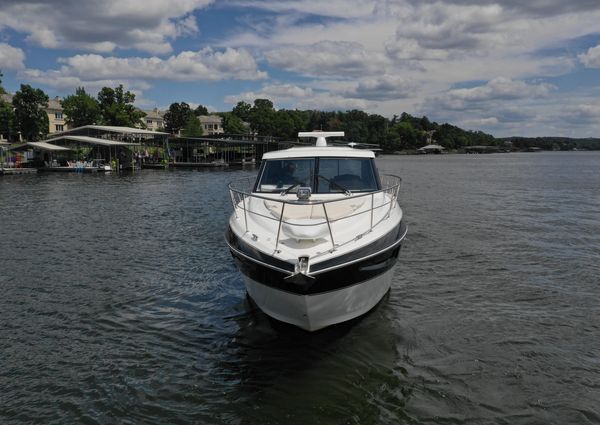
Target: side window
(339, 174)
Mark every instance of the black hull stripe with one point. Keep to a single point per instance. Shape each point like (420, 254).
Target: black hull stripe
(388, 241)
(326, 282)
(250, 252)
(304, 293)
(247, 257)
(338, 278)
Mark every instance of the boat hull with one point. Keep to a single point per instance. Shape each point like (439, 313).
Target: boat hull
(348, 287)
(316, 311)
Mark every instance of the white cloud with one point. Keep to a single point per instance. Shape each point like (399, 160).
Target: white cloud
(502, 88)
(330, 102)
(330, 8)
(591, 59)
(498, 89)
(386, 87)
(370, 32)
(293, 96)
(584, 114)
(327, 58)
(440, 27)
(102, 26)
(203, 65)
(481, 122)
(70, 83)
(280, 94)
(536, 8)
(11, 58)
(383, 56)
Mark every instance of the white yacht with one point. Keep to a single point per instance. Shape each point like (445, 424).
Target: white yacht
(317, 234)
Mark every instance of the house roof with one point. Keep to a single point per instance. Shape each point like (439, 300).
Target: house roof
(154, 113)
(210, 119)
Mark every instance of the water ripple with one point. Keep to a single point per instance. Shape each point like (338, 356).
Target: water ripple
(120, 304)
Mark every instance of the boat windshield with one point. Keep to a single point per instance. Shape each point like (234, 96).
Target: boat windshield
(322, 175)
(281, 174)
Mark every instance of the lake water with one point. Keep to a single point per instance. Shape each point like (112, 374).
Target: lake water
(120, 303)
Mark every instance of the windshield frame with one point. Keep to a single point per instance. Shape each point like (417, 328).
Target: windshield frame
(315, 172)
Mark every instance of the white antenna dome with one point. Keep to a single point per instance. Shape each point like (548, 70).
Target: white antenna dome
(321, 136)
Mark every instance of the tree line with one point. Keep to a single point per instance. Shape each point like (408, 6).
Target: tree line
(403, 132)
(114, 106)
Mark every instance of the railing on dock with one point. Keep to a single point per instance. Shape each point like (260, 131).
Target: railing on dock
(313, 218)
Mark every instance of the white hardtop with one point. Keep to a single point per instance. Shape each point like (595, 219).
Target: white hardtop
(315, 151)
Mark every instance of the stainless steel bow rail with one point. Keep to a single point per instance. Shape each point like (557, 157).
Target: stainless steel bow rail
(242, 199)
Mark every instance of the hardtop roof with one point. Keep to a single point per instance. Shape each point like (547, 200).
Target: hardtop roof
(315, 151)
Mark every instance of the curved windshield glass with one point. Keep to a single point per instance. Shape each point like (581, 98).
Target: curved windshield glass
(340, 174)
(281, 174)
(325, 175)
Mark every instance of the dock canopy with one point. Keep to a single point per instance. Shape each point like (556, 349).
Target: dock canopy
(46, 146)
(92, 141)
(431, 149)
(115, 129)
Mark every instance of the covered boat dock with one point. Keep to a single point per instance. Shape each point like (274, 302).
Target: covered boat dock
(221, 151)
(121, 147)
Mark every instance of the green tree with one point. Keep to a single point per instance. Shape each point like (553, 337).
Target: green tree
(30, 117)
(356, 126)
(242, 111)
(200, 110)
(116, 107)
(287, 123)
(178, 115)
(405, 135)
(262, 117)
(283, 125)
(7, 116)
(7, 121)
(2, 91)
(232, 124)
(81, 109)
(192, 127)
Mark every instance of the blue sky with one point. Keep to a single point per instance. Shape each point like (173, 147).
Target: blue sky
(505, 67)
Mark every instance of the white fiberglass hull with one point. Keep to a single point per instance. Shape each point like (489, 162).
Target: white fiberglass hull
(316, 311)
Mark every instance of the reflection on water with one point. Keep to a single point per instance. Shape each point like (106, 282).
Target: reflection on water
(121, 304)
(336, 374)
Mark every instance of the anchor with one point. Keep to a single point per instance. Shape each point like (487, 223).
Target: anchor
(300, 276)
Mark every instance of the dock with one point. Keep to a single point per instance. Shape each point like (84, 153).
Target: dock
(11, 171)
(70, 169)
(200, 164)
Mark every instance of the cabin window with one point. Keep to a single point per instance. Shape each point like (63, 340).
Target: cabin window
(339, 174)
(281, 174)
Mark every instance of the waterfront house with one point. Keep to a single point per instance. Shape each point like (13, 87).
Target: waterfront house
(154, 119)
(56, 117)
(211, 124)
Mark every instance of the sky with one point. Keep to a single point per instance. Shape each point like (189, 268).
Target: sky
(509, 68)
